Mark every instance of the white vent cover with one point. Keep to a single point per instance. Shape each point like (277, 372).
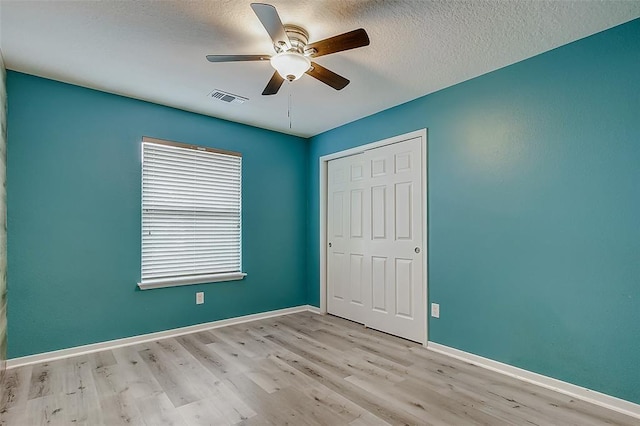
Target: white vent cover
(227, 97)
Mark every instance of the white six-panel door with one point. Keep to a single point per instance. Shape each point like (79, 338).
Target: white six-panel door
(348, 236)
(375, 254)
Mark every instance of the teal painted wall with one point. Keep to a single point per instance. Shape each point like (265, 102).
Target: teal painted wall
(74, 218)
(533, 210)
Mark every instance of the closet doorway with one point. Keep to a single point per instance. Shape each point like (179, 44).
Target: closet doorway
(373, 253)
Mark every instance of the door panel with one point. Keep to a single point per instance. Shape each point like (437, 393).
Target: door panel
(378, 217)
(336, 226)
(338, 275)
(403, 204)
(379, 283)
(404, 288)
(356, 213)
(356, 278)
(378, 167)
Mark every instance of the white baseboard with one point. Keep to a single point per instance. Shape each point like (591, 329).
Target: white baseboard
(150, 337)
(594, 397)
(314, 309)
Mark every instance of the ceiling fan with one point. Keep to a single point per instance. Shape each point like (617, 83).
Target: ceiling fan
(293, 53)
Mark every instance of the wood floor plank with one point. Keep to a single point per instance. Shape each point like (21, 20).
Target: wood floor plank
(45, 410)
(372, 345)
(117, 405)
(315, 351)
(233, 408)
(217, 393)
(368, 419)
(15, 394)
(267, 382)
(268, 347)
(46, 379)
(157, 410)
(313, 412)
(380, 407)
(205, 337)
(211, 360)
(138, 378)
(102, 359)
(240, 340)
(327, 398)
(441, 404)
(80, 399)
(202, 413)
(261, 403)
(234, 359)
(192, 375)
(275, 377)
(379, 362)
(170, 377)
(465, 396)
(299, 369)
(308, 320)
(117, 410)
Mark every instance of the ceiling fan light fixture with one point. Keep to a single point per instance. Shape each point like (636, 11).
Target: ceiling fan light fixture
(290, 65)
(294, 53)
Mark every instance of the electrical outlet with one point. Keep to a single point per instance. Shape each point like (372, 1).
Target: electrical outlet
(200, 298)
(435, 310)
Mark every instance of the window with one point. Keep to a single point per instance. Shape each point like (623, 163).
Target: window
(191, 214)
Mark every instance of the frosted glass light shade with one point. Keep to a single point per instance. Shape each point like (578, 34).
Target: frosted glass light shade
(290, 65)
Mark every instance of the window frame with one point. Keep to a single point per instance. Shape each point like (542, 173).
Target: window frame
(173, 281)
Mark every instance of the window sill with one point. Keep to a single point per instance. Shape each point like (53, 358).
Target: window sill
(202, 279)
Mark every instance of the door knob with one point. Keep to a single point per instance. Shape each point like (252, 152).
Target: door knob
(417, 249)
(329, 244)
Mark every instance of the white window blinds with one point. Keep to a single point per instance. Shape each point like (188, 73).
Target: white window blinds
(191, 214)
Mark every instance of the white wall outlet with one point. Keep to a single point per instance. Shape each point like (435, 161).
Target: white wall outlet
(435, 310)
(199, 297)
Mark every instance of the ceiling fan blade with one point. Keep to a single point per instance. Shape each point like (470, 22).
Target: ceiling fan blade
(235, 58)
(270, 19)
(346, 41)
(328, 77)
(273, 85)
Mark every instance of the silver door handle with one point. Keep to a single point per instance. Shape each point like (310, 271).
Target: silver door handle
(329, 244)
(417, 249)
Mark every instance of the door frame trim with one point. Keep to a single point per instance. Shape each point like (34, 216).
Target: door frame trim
(324, 160)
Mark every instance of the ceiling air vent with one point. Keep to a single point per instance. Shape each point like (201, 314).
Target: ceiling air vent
(227, 97)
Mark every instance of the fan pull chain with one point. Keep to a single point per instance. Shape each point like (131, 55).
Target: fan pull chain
(289, 106)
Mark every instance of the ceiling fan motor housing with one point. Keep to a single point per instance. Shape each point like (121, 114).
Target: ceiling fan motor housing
(298, 37)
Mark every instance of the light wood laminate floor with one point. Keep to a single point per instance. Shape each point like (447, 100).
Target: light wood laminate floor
(299, 369)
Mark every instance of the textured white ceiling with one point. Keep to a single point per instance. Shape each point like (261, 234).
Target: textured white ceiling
(155, 50)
